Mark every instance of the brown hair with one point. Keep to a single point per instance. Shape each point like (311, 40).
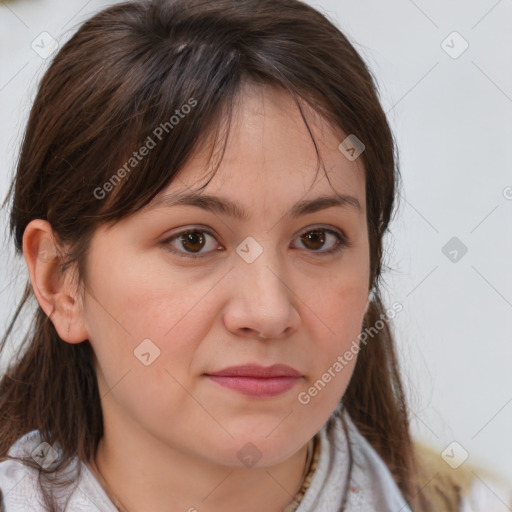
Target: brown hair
(125, 72)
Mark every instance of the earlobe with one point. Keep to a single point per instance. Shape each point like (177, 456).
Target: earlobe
(52, 288)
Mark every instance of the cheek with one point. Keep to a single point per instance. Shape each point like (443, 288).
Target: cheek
(335, 315)
(141, 298)
(144, 359)
(338, 326)
(143, 328)
(339, 305)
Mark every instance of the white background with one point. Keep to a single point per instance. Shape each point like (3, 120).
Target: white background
(452, 120)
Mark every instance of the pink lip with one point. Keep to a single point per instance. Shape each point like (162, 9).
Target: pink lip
(254, 380)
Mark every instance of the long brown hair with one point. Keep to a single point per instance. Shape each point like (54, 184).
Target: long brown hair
(124, 73)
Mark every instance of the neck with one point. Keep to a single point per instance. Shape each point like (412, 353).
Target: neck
(144, 474)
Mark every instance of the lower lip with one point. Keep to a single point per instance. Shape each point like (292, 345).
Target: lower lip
(253, 386)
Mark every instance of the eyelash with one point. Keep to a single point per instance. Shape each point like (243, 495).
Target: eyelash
(341, 243)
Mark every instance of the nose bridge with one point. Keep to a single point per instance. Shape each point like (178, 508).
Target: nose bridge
(262, 299)
(264, 273)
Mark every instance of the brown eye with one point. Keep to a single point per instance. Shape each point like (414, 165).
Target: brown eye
(190, 243)
(315, 239)
(193, 241)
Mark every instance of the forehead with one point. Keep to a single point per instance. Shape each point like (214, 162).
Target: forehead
(270, 157)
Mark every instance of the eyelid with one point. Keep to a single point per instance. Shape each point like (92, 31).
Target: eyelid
(343, 242)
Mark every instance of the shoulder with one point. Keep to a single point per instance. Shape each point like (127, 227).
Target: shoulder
(467, 488)
(18, 481)
(20, 485)
(372, 486)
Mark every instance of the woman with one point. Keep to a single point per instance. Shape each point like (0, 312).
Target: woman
(208, 341)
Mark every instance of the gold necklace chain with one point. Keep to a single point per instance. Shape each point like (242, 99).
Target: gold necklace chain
(309, 470)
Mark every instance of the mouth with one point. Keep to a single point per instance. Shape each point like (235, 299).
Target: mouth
(257, 381)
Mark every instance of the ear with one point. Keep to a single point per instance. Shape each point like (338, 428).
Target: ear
(53, 288)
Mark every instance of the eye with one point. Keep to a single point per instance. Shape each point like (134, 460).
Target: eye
(191, 240)
(317, 237)
(194, 240)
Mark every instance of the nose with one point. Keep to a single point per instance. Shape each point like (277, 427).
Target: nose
(263, 301)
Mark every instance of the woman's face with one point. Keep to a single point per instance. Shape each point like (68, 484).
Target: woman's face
(263, 290)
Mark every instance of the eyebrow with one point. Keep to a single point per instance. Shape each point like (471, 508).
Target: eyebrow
(225, 206)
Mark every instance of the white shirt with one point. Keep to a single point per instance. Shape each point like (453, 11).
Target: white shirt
(371, 489)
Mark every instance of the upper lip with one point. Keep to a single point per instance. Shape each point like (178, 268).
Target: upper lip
(254, 370)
